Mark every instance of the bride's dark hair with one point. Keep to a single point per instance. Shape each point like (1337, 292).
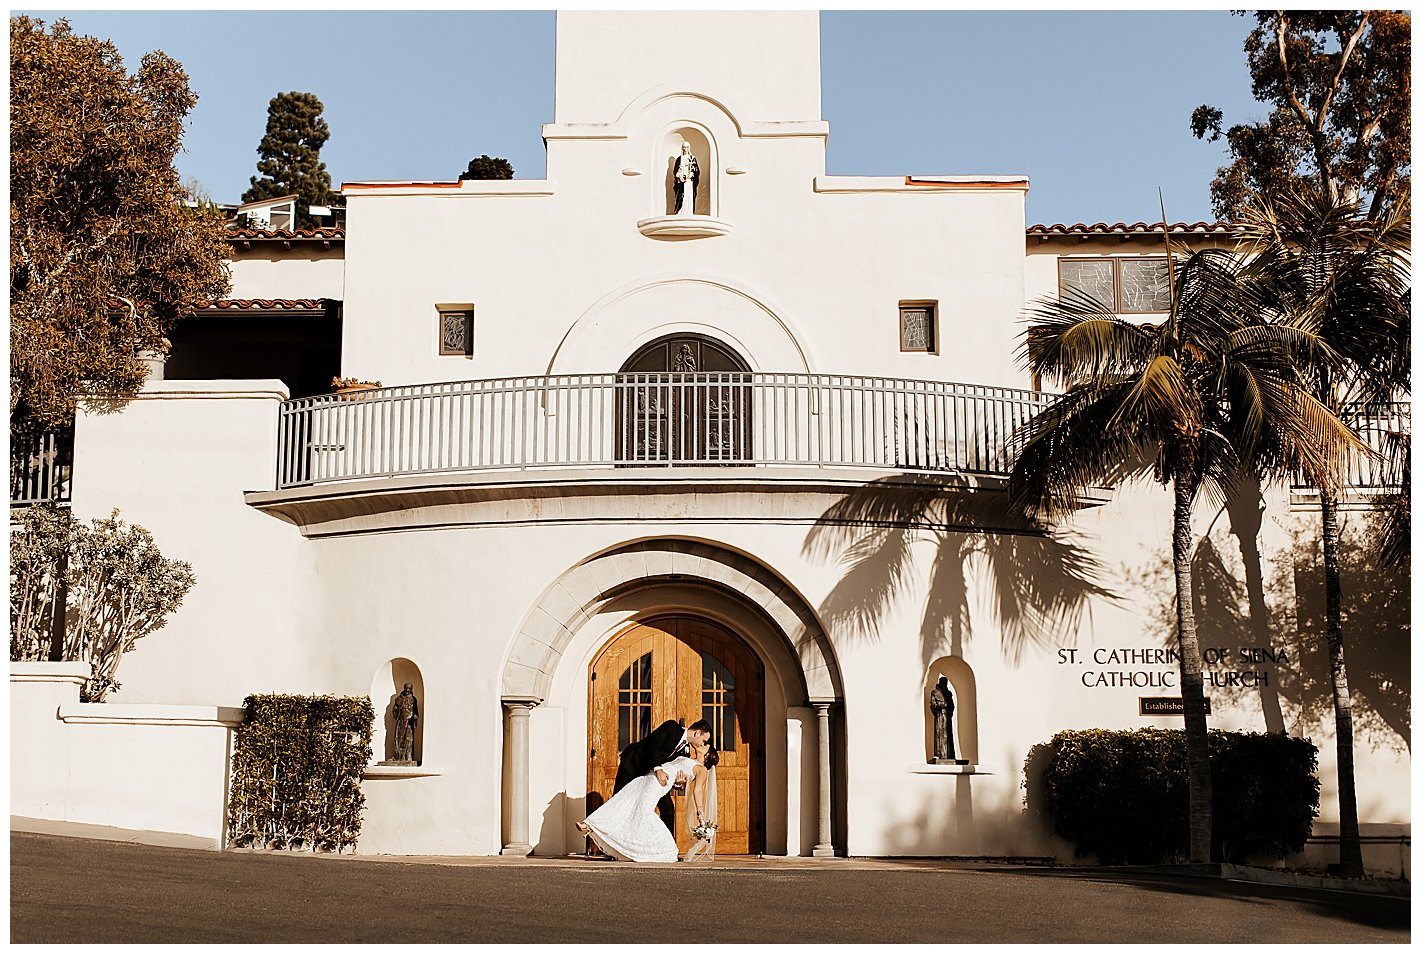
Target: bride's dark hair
(712, 756)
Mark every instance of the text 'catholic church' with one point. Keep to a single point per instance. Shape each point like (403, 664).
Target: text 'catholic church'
(686, 430)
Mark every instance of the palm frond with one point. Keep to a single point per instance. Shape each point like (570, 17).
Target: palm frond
(1072, 446)
(1079, 341)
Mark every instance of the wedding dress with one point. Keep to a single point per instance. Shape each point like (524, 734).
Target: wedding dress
(627, 826)
(703, 820)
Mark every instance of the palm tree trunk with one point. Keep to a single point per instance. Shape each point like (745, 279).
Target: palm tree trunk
(1191, 678)
(1245, 506)
(1350, 840)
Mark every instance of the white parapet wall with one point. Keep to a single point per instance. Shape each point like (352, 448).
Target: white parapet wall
(145, 767)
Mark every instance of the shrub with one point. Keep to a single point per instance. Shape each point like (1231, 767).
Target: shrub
(107, 579)
(1124, 796)
(296, 772)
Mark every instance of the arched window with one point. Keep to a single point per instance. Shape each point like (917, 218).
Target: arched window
(684, 400)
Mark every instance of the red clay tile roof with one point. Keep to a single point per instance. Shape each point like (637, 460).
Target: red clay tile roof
(264, 304)
(1135, 228)
(333, 234)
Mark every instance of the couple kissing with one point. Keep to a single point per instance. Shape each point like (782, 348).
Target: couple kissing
(627, 826)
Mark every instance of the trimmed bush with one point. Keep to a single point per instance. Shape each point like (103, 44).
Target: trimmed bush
(1124, 796)
(296, 772)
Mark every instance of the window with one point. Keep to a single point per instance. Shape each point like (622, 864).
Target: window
(718, 701)
(917, 326)
(456, 330)
(634, 702)
(1125, 285)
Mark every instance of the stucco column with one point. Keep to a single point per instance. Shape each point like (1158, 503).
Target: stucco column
(518, 710)
(824, 848)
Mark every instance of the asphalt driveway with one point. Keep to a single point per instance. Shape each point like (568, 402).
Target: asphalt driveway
(77, 890)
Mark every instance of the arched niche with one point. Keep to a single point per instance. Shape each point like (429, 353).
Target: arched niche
(668, 147)
(389, 679)
(963, 685)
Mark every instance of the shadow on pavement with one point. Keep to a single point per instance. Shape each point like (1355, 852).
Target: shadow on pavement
(1372, 910)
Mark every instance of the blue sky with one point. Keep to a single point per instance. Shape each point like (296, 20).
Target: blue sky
(1093, 106)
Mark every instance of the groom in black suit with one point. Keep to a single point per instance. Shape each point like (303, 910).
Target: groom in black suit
(666, 742)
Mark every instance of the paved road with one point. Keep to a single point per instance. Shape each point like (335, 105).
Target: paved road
(81, 890)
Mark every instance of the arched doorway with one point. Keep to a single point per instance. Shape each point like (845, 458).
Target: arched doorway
(683, 668)
(683, 400)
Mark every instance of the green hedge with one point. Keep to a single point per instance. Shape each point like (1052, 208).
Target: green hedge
(296, 772)
(1124, 796)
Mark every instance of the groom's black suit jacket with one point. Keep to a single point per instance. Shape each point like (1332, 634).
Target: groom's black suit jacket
(642, 756)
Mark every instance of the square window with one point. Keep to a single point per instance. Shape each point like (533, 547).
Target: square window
(1144, 284)
(1122, 285)
(1093, 277)
(917, 326)
(456, 331)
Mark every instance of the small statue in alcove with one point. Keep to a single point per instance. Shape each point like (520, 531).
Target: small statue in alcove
(688, 180)
(406, 712)
(940, 701)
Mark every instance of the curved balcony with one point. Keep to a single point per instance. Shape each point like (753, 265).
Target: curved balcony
(602, 422)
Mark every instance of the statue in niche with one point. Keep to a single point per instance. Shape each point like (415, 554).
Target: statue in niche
(406, 712)
(687, 175)
(940, 701)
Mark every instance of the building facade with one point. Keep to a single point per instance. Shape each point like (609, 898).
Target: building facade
(727, 448)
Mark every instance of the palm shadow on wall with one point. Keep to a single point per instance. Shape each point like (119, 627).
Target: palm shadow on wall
(1377, 613)
(1040, 583)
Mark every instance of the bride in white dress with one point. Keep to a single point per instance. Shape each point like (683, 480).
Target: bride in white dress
(628, 828)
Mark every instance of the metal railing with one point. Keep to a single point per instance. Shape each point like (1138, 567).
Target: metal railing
(671, 419)
(41, 465)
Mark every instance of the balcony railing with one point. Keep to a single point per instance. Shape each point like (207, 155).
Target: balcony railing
(647, 420)
(41, 466)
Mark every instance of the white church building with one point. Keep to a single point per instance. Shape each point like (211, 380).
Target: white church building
(739, 460)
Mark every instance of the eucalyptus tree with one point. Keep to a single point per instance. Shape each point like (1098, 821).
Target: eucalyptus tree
(1184, 402)
(1342, 279)
(105, 254)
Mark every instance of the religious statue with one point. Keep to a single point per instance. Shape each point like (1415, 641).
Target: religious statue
(940, 701)
(406, 710)
(688, 178)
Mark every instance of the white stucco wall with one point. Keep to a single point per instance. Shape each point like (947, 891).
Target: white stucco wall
(176, 461)
(269, 270)
(146, 767)
(771, 65)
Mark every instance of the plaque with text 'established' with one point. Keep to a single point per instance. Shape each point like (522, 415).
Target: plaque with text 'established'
(1166, 706)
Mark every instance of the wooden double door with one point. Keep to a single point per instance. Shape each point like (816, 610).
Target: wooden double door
(684, 669)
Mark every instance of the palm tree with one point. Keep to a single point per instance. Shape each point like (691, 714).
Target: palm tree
(1342, 278)
(1184, 402)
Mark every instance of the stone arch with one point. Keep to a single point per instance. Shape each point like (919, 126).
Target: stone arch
(753, 325)
(581, 592)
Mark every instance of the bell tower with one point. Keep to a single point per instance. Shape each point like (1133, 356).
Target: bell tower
(764, 64)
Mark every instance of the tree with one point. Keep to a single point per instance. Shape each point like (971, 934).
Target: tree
(1185, 402)
(291, 156)
(1342, 279)
(1339, 84)
(107, 581)
(104, 257)
(487, 167)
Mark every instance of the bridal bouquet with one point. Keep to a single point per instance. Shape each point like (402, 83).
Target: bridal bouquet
(705, 830)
